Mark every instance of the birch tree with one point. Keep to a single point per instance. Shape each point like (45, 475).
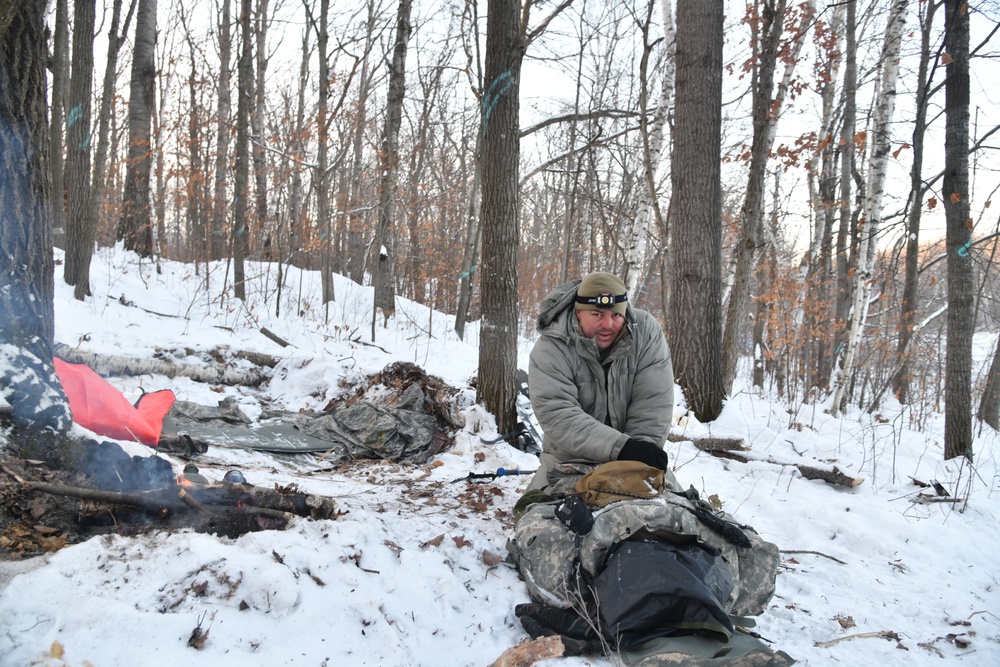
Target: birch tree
(473, 226)
(653, 135)
(848, 155)
(879, 140)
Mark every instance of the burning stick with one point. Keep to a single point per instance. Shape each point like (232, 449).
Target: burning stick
(188, 499)
(147, 503)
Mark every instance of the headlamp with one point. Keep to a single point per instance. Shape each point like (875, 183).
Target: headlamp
(602, 300)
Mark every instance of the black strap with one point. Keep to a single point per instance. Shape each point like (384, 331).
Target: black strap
(602, 300)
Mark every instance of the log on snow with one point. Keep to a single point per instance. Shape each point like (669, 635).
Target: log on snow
(830, 475)
(530, 652)
(114, 364)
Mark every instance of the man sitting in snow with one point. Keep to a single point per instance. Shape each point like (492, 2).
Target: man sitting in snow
(600, 377)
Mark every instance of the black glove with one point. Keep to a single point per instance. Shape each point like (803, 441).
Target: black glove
(540, 620)
(645, 452)
(575, 515)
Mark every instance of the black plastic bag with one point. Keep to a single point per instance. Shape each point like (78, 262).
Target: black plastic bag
(652, 589)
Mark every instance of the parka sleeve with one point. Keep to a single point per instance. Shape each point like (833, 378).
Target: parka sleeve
(651, 406)
(569, 431)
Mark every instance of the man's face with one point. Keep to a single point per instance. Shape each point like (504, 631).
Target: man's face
(601, 325)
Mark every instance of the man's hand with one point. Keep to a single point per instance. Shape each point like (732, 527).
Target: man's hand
(646, 452)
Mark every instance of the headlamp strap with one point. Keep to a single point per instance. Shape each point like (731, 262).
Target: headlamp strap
(602, 300)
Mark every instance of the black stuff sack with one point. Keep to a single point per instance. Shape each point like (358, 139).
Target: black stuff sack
(653, 589)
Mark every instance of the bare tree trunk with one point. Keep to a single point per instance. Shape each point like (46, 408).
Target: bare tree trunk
(908, 307)
(696, 208)
(59, 64)
(772, 17)
(27, 320)
(241, 185)
(384, 266)
(989, 404)
(867, 252)
(261, 218)
(958, 236)
(473, 237)
(298, 151)
(820, 280)
(355, 259)
(505, 48)
(218, 231)
(195, 186)
(651, 133)
(116, 37)
(323, 223)
(572, 176)
(196, 220)
(80, 219)
(135, 226)
(847, 153)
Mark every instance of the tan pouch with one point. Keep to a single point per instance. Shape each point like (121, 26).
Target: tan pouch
(619, 480)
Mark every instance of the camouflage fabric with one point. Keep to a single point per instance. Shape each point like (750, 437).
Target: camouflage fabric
(671, 518)
(694, 651)
(548, 553)
(545, 551)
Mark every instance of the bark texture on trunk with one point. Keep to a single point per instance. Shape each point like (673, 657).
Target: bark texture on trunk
(501, 156)
(696, 209)
(958, 236)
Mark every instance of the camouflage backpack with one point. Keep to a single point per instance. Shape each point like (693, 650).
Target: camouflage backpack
(607, 568)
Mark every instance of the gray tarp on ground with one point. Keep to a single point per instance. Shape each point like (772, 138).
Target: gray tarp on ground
(365, 429)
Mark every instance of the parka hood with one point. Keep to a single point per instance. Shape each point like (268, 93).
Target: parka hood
(559, 302)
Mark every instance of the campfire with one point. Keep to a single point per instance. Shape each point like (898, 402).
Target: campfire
(57, 490)
(45, 506)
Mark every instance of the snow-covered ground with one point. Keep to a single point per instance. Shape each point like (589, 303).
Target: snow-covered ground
(409, 574)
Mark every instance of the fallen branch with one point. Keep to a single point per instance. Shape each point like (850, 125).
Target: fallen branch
(275, 337)
(357, 339)
(924, 499)
(713, 444)
(114, 364)
(215, 497)
(154, 505)
(831, 476)
(882, 634)
(814, 553)
(290, 503)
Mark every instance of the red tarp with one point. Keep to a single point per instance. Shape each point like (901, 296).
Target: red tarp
(98, 406)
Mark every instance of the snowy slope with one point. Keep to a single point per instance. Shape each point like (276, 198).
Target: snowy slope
(408, 575)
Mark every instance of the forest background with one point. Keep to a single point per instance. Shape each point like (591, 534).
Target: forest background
(471, 158)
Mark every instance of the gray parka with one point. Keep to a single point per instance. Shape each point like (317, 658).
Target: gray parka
(575, 397)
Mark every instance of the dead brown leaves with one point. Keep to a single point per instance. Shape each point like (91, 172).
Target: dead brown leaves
(22, 541)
